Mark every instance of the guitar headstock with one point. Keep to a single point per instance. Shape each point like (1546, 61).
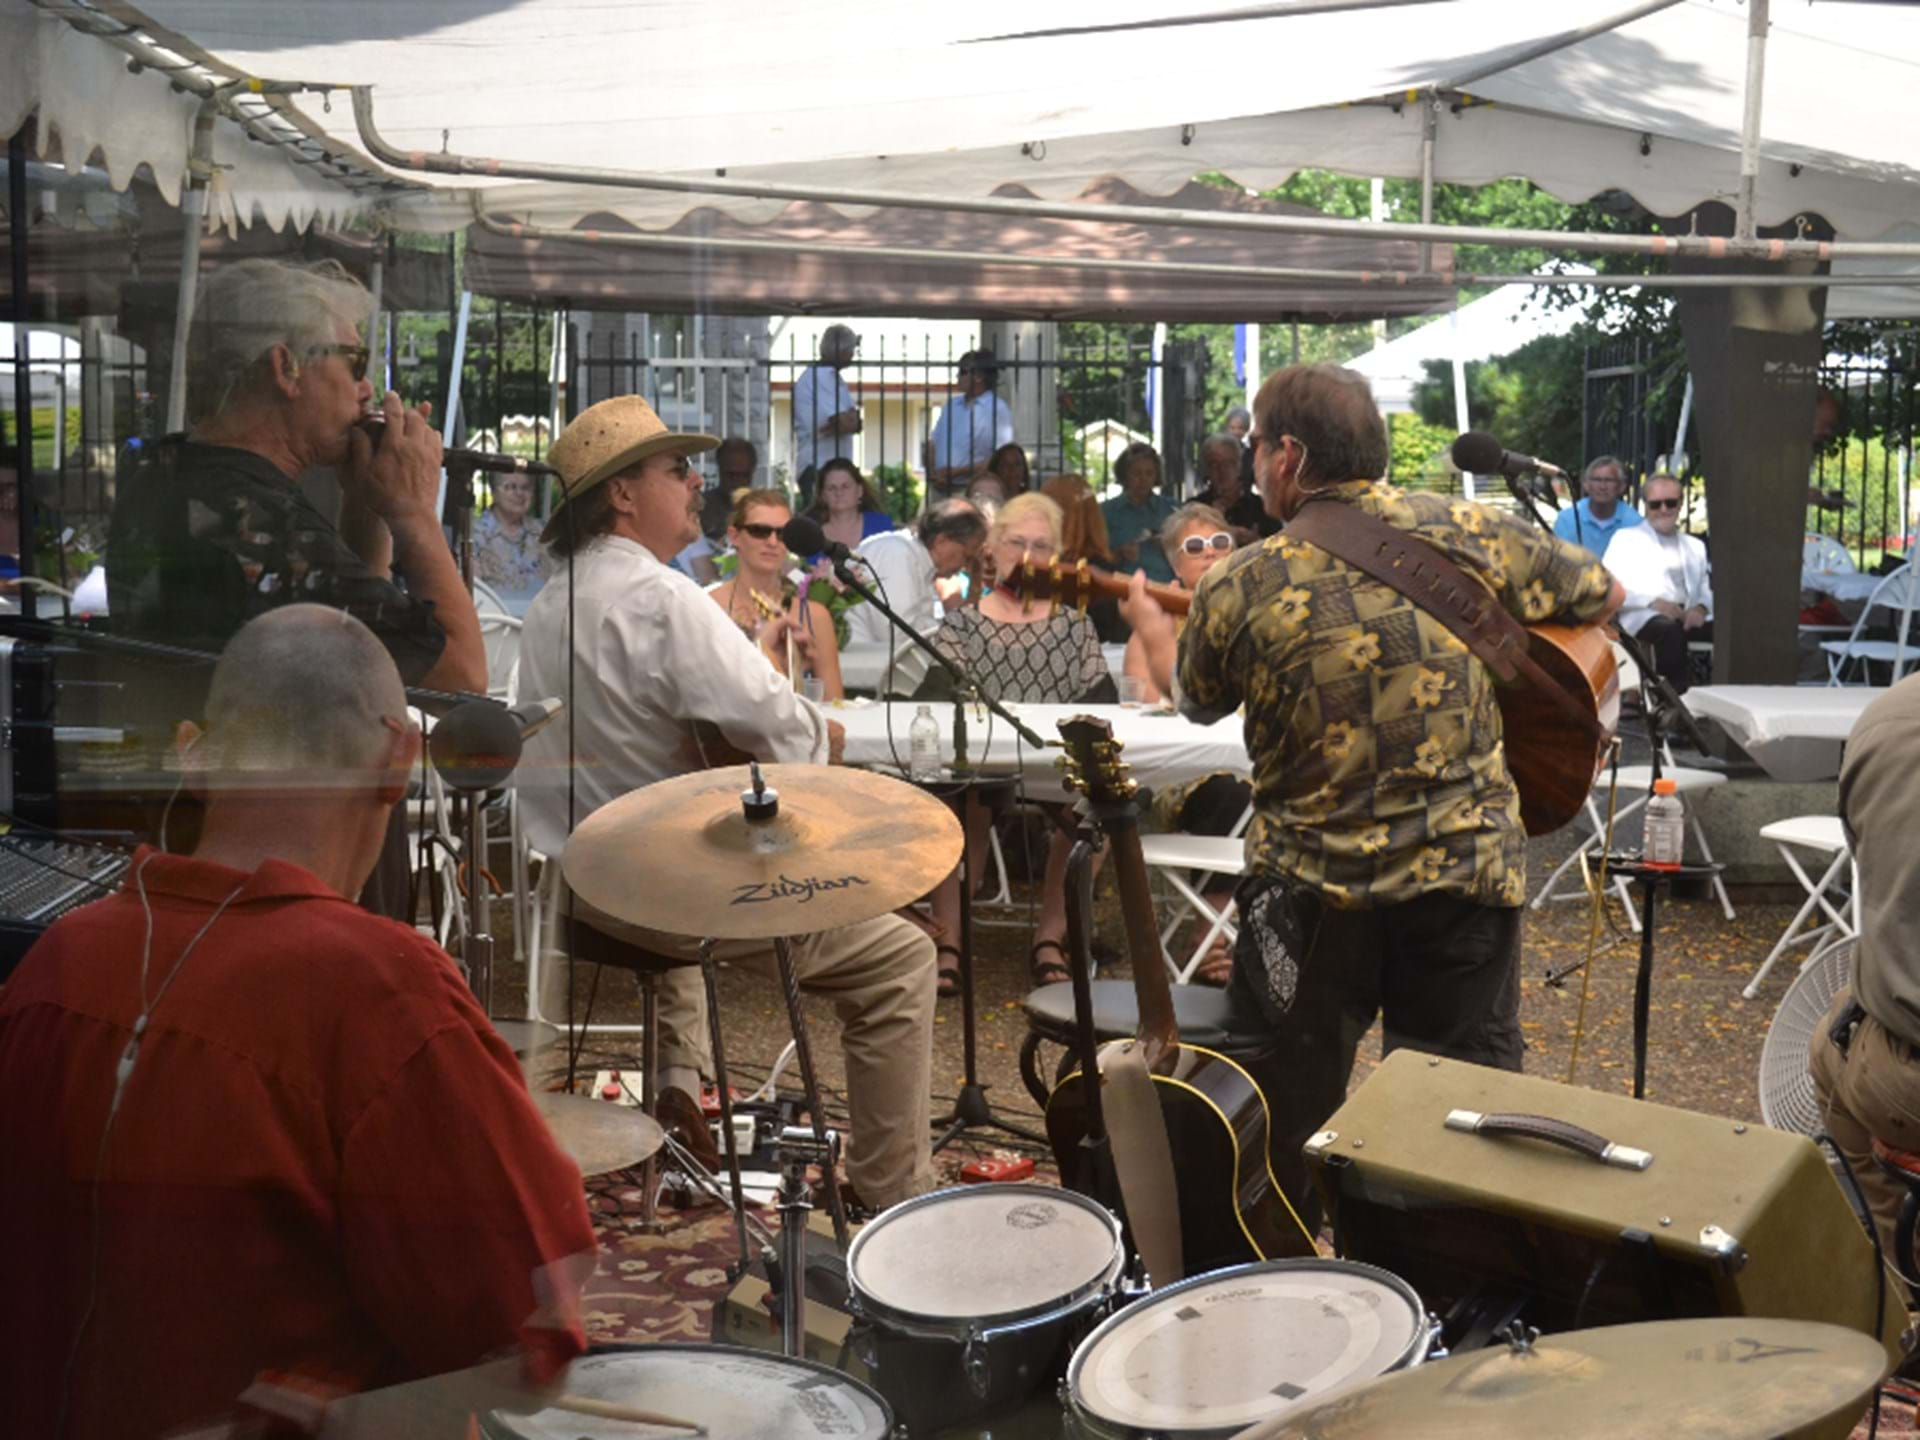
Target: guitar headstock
(1067, 584)
(1092, 763)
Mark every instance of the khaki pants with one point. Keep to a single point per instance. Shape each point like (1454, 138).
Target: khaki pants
(1872, 1089)
(880, 974)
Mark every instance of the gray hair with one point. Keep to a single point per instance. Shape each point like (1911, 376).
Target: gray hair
(838, 340)
(1189, 517)
(1603, 462)
(1239, 412)
(952, 519)
(247, 308)
(1221, 441)
(302, 691)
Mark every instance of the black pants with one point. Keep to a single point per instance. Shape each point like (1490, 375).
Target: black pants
(1441, 971)
(1666, 643)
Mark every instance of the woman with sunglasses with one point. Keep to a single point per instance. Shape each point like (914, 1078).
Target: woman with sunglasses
(762, 580)
(1196, 538)
(506, 549)
(1021, 652)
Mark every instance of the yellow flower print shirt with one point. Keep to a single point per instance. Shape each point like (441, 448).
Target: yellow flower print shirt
(1378, 769)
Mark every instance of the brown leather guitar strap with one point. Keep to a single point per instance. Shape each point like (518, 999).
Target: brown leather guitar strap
(1409, 565)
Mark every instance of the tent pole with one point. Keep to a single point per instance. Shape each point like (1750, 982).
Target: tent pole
(1253, 374)
(1680, 431)
(450, 417)
(1460, 421)
(193, 210)
(377, 332)
(1750, 118)
(1429, 124)
(22, 314)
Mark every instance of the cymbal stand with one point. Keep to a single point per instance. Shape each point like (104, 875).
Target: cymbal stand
(797, 1149)
(803, 1053)
(476, 937)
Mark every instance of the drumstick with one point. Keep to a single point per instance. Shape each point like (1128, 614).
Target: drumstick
(607, 1410)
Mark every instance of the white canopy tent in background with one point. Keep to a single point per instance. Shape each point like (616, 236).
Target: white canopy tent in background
(806, 95)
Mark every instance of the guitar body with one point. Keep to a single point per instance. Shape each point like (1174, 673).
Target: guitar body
(1231, 1212)
(1554, 761)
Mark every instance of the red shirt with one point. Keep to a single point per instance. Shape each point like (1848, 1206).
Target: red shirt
(324, 1162)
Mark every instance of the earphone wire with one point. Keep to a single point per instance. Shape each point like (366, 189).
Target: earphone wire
(122, 1073)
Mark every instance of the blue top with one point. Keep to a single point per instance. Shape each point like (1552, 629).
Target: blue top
(1128, 522)
(1594, 533)
(872, 523)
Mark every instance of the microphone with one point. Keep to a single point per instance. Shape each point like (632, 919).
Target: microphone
(476, 745)
(454, 458)
(1481, 454)
(805, 537)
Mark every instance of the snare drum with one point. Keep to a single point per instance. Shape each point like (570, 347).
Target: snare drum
(1212, 1355)
(973, 1298)
(736, 1394)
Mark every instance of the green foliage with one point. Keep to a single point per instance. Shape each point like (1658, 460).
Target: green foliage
(45, 420)
(899, 490)
(1868, 471)
(1530, 398)
(1418, 453)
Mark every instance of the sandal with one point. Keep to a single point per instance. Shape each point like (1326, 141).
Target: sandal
(948, 985)
(1048, 972)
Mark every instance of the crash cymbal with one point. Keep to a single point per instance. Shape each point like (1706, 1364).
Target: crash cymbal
(599, 1135)
(683, 857)
(1719, 1379)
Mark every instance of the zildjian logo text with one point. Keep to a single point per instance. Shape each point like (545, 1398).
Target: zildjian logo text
(787, 888)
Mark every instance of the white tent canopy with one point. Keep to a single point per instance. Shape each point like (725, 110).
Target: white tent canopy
(815, 94)
(1493, 325)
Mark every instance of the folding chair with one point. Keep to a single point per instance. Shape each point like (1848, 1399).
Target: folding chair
(1899, 594)
(1636, 788)
(1173, 855)
(1827, 835)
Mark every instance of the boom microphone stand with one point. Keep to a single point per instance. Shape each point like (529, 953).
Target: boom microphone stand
(971, 1108)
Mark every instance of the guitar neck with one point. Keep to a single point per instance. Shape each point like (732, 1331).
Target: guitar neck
(1152, 991)
(1078, 585)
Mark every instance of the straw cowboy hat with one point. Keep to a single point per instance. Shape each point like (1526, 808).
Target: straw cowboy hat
(613, 436)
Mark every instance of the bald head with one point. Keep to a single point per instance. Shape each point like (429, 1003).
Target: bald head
(303, 690)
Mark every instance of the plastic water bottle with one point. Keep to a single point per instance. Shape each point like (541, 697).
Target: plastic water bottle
(923, 746)
(1664, 841)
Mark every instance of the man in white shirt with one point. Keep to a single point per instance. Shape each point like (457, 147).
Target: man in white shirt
(972, 425)
(653, 656)
(825, 417)
(902, 566)
(1668, 582)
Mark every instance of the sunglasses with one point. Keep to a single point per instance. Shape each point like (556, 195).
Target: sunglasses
(759, 531)
(356, 357)
(1200, 544)
(1673, 504)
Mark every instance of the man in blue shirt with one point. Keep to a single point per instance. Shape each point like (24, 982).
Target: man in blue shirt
(1594, 521)
(1134, 516)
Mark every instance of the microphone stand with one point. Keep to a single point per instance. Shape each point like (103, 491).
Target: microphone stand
(971, 1108)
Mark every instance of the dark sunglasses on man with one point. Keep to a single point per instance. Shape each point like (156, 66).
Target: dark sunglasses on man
(1672, 503)
(1200, 544)
(356, 357)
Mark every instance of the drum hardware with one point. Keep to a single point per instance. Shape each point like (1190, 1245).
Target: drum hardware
(599, 1137)
(798, 1148)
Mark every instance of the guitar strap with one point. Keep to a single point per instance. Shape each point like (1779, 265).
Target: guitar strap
(1416, 569)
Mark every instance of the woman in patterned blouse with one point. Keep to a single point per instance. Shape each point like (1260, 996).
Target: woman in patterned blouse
(506, 549)
(1029, 652)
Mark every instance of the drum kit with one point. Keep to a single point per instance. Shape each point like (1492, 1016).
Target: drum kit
(1008, 1310)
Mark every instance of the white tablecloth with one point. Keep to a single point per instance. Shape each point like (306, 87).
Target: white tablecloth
(1794, 732)
(1161, 748)
(862, 667)
(1840, 584)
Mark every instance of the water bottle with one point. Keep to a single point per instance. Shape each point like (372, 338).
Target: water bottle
(923, 746)
(1664, 841)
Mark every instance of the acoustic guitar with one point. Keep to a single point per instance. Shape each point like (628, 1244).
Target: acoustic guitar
(1231, 1208)
(1554, 749)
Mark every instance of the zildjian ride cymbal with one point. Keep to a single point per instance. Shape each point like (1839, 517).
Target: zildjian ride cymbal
(1730, 1378)
(600, 1136)
(826, 847)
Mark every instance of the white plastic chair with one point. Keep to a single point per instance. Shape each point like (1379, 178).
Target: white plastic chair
(1636, 788)
(1824, 555)
(1173, 855)
(1826, 835)
(1899, 594)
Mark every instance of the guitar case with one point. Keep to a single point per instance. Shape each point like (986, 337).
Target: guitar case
(1584, 1208)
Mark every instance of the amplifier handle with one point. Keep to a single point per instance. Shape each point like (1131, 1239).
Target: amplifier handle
(1554, 1132)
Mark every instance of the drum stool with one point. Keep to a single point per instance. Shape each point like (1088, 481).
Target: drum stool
(647, 967)
(1203, 1013)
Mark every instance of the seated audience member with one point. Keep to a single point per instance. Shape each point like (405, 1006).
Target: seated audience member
(1009, 464)
(1865, 1058)
(1668, 582)
(506, 547)
(847, 508)
(1020, 652)
(989, 492)
(1601, 514)
(905, 565)
(1224, 467)
(734, 466)
(653, 665)
(1238, 424)
(1083, 536)
(1197, 538)
(262, 1147)
(1135, 516)
(764, 574)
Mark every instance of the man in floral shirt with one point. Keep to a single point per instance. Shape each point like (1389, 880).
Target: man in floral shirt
(1387, 861)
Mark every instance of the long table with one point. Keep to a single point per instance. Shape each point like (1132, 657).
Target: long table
(1793, 732)
(1161, 747)
(864, 665)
